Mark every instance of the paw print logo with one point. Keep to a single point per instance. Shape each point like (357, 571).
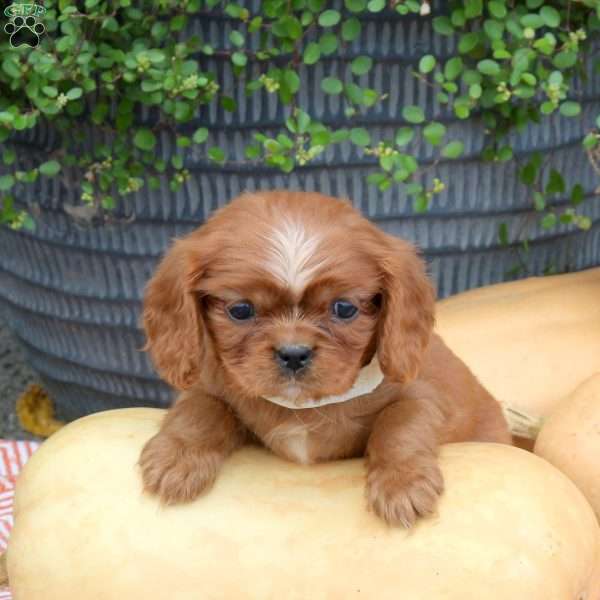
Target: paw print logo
(24, 31)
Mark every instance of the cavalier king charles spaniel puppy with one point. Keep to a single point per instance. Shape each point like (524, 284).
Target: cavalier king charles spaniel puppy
(291, 320)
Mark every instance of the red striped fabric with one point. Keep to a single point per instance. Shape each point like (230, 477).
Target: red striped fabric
(13, 455)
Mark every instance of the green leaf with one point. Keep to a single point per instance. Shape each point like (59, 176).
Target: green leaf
(177, 23)
(556, 183)
(216, 154)
(550, 16)
(427, 63)
(494, 29)
(471, 77)
(376, 178)
(360, 136)
(255, 24)
(473, 8)
(434, 133)
(421, 203)
(239, 59)
(144, 139)
(408, 162)
(528, 173)
(547, 108)
(539, 202)
(108, 202)
(549, 221)
(475, 91)
(177, 161)
(453, 68)
(467, 42)
(11, 67)
(577, 194)
(252, 152)
(413, 114)
(9, 156)
(565, 59)
(314, 6)
(555, 78)
(292, 80)
(303, 120)
(340, 135)
(351, 29)
(331, 85)
(505, 153)
(453, 149)
(228, 103)
(370, 97)
(532, 20)
(29, 223)
(329, 18)
(328, 43)
(293, 27)
(376, 5)
(570, 109)
(361, 65)
(497, 9)
(6, 182)
(355, 6)
(156, 56)
(404, 136)
(49, 168)
(200, 135)
(413, 188)
(457, 17)
(443, 26)
(488, 67)
(74, 93)
(50, 91)
(590, 141)
(312, 53)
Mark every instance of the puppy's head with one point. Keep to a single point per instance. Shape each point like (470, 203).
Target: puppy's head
(290, 294)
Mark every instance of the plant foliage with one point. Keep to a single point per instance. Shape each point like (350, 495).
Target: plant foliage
(100, 62)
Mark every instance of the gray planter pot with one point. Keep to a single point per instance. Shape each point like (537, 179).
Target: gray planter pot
(73, 294)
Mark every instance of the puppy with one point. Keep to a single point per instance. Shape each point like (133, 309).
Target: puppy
(290, 319)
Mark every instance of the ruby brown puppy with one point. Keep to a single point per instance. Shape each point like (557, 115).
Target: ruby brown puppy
(291, 320)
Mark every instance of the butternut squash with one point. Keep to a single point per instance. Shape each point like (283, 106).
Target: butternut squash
(510, 526)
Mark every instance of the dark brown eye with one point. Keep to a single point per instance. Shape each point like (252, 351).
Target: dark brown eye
(241, 311)
(344, 310)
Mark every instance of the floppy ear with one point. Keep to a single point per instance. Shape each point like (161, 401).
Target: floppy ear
(175, 332)
(408, 307)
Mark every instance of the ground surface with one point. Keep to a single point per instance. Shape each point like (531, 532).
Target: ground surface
(15, 376)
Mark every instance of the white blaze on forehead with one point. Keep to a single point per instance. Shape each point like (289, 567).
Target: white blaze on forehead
(291, 251)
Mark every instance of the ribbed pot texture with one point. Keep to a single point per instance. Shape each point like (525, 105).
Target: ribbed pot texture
(72, 293)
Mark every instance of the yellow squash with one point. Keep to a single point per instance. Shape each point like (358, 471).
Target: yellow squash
(530, 342)
(510, 527)
(570, 439)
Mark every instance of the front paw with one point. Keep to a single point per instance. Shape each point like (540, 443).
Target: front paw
(400, 494)
(177, 472)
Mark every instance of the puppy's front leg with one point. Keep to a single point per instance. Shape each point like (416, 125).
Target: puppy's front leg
(404, 480)
(182, 460)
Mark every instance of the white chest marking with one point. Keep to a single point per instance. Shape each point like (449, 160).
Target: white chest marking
(291, 441)
(296, 446)
(291, 254)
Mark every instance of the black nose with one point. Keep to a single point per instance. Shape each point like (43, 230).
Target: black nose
(293, 358)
